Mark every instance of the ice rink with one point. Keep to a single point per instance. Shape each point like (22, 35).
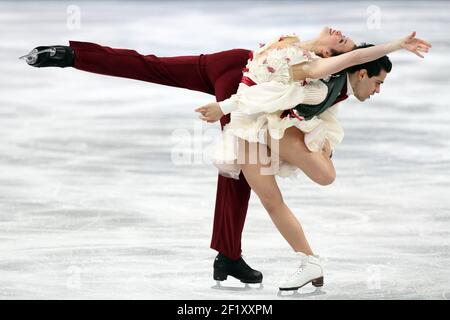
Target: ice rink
(93, 207)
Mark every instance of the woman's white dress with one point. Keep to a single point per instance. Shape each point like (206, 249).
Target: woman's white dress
(256, 110)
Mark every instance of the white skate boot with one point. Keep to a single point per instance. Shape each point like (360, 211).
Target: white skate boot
(310, 270)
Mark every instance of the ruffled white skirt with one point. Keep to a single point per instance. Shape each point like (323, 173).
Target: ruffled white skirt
(254, 128)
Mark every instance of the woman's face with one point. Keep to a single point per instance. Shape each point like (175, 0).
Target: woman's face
(333, 41)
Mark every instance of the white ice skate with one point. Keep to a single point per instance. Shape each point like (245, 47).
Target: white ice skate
(310, 270)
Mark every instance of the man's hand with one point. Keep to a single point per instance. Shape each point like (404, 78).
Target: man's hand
(210, 112)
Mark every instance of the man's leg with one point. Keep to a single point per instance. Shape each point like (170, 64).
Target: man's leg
(182, 71)
(232, 195)
(229, 217)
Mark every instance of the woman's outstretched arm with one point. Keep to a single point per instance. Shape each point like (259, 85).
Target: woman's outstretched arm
(321, 68)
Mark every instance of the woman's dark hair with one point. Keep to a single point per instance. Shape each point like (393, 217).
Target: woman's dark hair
(335, 53)
(373, 67)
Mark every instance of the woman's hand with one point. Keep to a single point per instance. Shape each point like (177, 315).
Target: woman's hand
(210, 112)
(415, 45)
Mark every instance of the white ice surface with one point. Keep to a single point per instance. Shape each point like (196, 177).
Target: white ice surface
(91, 205)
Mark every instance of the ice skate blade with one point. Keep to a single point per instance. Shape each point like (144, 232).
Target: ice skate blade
(295, 294)
(247, 287)
(315, 282)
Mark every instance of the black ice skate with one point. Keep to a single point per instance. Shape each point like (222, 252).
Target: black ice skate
(224, 267)
(50, 56)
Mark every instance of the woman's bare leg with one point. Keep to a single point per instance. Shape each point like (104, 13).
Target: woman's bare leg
(292, 149)
(265, 186)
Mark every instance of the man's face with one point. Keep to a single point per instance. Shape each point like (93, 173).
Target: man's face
(365, 86)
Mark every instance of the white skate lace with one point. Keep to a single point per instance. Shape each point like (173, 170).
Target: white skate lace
(300, 269)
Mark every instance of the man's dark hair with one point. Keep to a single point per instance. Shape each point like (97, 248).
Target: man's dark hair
(373, 67)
